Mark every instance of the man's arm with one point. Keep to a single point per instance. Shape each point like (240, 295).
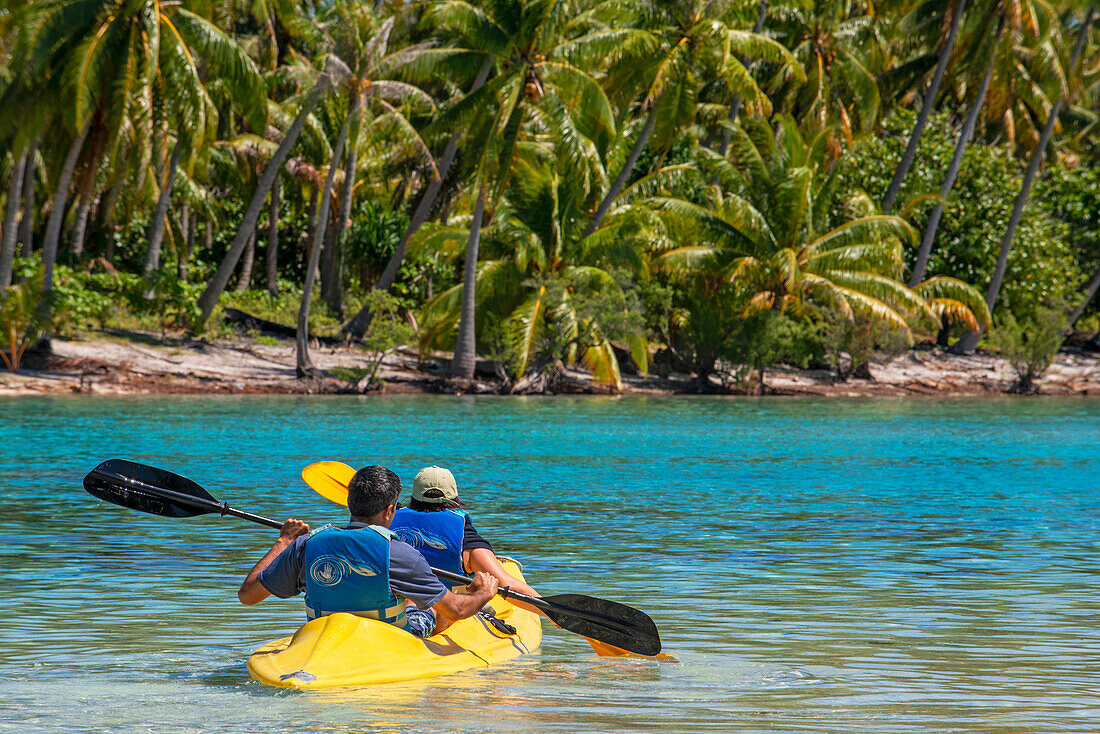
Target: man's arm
(453, 607)
(252, 591)
(483, 559)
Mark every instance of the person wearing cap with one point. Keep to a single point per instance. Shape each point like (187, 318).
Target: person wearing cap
(363, 569)
(436, 525)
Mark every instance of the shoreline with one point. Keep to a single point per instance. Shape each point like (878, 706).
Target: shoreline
(135, 363)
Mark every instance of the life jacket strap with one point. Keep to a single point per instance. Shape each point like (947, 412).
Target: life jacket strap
(394, 615)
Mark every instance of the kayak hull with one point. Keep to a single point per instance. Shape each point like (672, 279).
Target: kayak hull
(345, 650)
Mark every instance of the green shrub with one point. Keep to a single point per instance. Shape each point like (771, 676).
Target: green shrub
(1041, 267)
(863, 341)
(1030, 344)
(82, 300)
(281, 309)
(23, 319)
(172, 303)
(764, 339)
(388, 330)
(708, 330)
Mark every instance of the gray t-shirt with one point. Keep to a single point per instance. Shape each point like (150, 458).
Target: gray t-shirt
(410, 575)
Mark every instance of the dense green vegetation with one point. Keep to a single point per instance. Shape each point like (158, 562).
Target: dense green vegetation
(713, 187)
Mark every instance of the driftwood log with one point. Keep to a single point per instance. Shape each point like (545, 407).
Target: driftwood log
(248, 322)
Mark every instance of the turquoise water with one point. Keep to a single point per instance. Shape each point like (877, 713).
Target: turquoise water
(864, 566)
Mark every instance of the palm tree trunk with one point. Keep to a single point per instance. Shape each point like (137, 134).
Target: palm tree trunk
(273, 242)
(328, 249)
(160, 213)
(925, 111)
(304, 365)
(965, 135)
(325, 266)
(969, 340)
(465, 357)
(26, 222)
(735, 103)
(80, 228)
(245, 278)
(628, 166)
(106, 209)
(335, 295)
(187, 225)
(311, 214)
(57, 212)
(209, 298)
(357, 326)
(1090, 289)
(11, 212)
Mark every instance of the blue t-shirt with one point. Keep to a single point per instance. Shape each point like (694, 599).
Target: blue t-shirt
(410, 576)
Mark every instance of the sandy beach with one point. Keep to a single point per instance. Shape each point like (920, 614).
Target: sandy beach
(136, 364)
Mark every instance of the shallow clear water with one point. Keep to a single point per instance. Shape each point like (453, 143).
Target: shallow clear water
(871, 565)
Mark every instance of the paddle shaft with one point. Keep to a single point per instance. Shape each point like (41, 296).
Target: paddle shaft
(551, 608)
(222, 508)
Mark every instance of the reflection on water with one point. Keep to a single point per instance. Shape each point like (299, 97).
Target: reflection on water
(815, 566)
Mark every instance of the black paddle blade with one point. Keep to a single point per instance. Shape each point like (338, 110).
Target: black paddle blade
(123, 483)
(607, 621)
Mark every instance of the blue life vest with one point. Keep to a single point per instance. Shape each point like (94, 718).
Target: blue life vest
(437, 535)
(349, 571)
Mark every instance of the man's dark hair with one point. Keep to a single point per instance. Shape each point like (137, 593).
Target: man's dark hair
(371, 490)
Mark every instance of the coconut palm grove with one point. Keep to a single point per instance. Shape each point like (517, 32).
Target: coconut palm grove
(618, 186)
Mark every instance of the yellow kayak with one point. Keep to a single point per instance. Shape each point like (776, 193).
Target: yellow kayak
(345, 650)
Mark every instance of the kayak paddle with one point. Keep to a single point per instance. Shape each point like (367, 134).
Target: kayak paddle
(160, 492)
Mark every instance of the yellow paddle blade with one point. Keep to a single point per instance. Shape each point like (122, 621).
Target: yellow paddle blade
(604, 650)
(330, 480)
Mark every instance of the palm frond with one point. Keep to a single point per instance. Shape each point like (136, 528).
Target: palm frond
(603, 363)
(942, 289)
(525, 327)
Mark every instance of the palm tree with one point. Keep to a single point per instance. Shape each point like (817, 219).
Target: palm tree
(272, 270)
(771, 242)
(30, 179)
(381, 98)
(191, 42)
(304, 365)
(837, 45)
(955, 11)
(334, 72)
(735, 103)
(111, 58)
(530, 41)
(11, 211)
(1003, 36)
(538, 271)
(969, 340)
(684, 42)
(357, 326)
(965, 134)
(1028, 67)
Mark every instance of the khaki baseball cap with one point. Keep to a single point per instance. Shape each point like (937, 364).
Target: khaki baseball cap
(434, 477)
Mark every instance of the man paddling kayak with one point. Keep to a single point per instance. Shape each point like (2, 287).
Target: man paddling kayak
(363, 569)
(436, 525)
